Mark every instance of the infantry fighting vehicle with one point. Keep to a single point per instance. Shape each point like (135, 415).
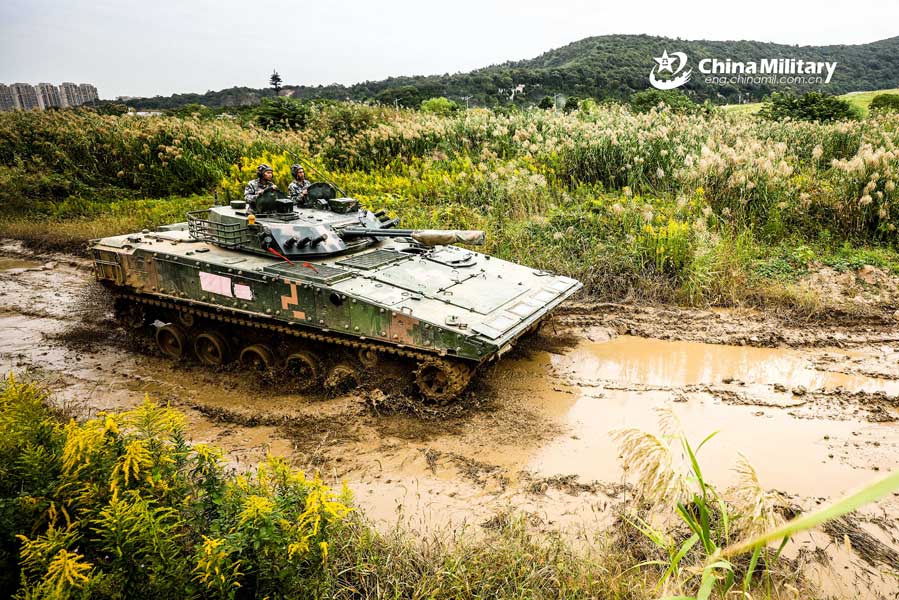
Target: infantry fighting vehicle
(322, 293)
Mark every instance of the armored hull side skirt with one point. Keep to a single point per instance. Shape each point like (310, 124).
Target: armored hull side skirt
(235, 317)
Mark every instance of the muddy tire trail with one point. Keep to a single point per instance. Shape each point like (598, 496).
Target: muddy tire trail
(815, 407)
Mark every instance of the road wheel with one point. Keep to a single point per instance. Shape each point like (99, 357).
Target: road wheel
(211, 348)
(186, 319)
(303, 369)
(440, 380)
(257, 357)
(342, 377)
(368, 357)
(171, 340)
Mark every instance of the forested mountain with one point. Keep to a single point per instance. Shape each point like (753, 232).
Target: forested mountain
(610, 66)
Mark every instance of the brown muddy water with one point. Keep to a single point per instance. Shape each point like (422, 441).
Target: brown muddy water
(533, 435)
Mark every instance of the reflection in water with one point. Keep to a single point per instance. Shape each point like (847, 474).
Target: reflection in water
(8, 264)
(637, 360)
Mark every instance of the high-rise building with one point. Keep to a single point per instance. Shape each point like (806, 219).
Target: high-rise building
(88, 93)
(49, 95)
(8, 100)
(24, 96)
(27, 96)
(70, 94)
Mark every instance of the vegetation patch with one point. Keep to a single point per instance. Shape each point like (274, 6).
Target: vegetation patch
(120, 503)
(649, 202)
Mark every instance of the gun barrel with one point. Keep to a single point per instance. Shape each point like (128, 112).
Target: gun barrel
(426, 237)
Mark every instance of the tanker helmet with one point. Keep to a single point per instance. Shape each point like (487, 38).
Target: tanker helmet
(294, 169)
(262, 169)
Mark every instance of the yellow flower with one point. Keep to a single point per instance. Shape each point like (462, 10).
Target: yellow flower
(255, 508)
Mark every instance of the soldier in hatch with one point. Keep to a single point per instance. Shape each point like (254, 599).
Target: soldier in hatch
(255, 188)
(299, 187)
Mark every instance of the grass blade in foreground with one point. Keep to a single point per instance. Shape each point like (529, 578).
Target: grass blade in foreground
(866, 495)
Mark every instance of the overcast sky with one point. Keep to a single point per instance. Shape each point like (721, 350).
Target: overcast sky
(154, 47)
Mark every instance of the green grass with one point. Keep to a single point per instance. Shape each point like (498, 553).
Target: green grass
(583, 242)
(863, 99)
(749, 108)
(69, 228)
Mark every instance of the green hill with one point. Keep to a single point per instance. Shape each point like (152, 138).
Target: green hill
(611, 66)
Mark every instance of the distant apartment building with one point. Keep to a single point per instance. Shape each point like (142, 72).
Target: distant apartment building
(70, 94)
(49, 95)
(27, 97)
(7, 98)
(88, 93)
(24, 96)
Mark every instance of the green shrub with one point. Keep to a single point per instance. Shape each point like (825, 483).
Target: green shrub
(191, 110)
(121, 505)
(439, 106)
(646, 100)
(572, 103)
(813, 106)
(885, 103)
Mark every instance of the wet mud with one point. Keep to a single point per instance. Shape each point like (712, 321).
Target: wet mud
(813, 406)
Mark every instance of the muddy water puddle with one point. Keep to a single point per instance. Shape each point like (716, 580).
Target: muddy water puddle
(18, 264)
(546, 448)
(619, 383)
(635, 360)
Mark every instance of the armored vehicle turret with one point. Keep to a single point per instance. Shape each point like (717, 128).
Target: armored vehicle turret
(324, 292)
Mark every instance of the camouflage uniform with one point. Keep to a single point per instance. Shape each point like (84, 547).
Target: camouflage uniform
(295, 191)
(250, 193)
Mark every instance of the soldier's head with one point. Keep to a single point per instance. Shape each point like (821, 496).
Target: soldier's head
(264, 172)
(298, 172)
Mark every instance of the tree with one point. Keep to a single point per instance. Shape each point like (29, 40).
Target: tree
(281, 113)
(439, 106)
(107, 107)
(407, 96)
(275, 82)
(190, 110)
(545, 103)
(647, 100)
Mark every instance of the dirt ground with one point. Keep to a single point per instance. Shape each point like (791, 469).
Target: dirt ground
(813, 406)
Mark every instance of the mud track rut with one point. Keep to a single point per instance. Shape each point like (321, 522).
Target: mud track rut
(814, 406)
